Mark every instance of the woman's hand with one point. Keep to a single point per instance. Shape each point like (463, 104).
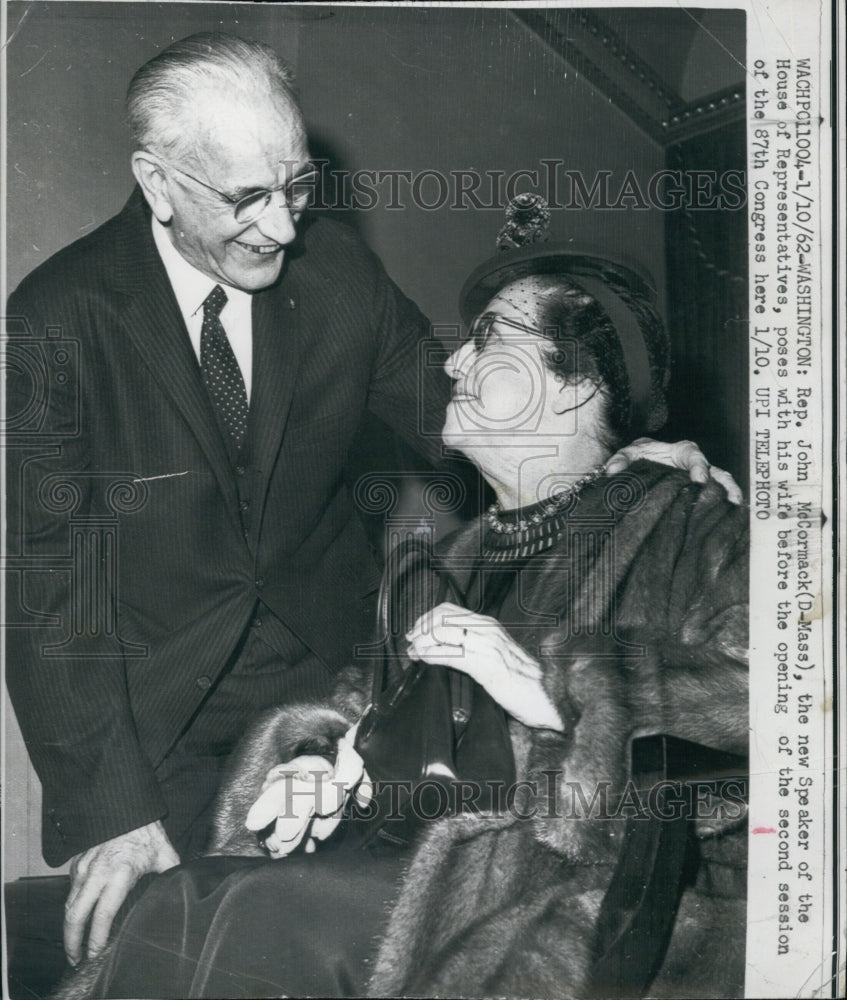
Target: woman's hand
(480, 647)
(308, 793)
(683, 455)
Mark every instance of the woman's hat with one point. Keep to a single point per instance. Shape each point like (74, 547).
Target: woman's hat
(524, 252)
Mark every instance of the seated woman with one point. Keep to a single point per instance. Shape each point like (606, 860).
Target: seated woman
(596, 606)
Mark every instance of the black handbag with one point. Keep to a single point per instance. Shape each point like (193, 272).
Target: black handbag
(433, 741)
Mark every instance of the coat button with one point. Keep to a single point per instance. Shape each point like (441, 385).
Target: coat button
(244, 505)
(259, 583)
(240, 470)
(203, 682)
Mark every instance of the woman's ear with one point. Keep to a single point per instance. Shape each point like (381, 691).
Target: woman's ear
(571, 393)
(153, 182)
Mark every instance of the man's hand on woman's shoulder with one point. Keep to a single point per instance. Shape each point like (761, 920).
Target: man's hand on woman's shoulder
(685, 455)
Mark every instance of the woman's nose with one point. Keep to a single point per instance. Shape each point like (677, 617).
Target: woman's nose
(459, 361)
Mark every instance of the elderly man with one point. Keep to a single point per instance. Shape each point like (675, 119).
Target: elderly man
(228, 350)
(227, 356)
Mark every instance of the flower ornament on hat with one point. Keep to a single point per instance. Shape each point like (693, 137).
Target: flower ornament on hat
(527, 221)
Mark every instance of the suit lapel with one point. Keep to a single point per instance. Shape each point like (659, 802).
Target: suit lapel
(154, 323)
(277, 346)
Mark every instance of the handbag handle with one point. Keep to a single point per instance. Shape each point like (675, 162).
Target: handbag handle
(411, 557)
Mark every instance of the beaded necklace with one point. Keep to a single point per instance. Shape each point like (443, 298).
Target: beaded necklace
(527, 530)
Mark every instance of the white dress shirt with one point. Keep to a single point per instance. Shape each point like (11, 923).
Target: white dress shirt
(192, 287)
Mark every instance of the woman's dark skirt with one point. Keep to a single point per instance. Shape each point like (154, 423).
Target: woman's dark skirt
(303, 926)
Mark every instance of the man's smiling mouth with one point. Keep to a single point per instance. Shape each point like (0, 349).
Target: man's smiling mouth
(264, 249)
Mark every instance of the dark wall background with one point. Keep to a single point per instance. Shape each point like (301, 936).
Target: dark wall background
(383, 88)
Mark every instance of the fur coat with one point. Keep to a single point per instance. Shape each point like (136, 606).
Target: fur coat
(640, 624)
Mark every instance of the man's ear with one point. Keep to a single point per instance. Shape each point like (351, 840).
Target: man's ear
(153, 182)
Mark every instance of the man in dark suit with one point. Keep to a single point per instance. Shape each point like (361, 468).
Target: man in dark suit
(181, 534)
(236, 574)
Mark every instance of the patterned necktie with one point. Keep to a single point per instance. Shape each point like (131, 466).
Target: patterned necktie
(221, 374)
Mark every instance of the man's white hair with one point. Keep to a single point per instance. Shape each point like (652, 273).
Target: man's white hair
(166, 95)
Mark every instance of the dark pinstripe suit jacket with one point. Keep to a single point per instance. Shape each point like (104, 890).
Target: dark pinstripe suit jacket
(333, 337)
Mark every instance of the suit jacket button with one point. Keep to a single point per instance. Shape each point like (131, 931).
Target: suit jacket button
(240, 470)
(244, 505)
(204, 682)
(260, 583)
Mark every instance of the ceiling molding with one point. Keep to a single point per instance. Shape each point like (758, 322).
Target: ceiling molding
(593, 49)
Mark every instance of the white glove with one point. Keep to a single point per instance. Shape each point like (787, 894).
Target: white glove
(308, 793)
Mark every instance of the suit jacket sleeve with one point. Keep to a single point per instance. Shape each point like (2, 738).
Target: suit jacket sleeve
(409, 389)
(73, 709)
